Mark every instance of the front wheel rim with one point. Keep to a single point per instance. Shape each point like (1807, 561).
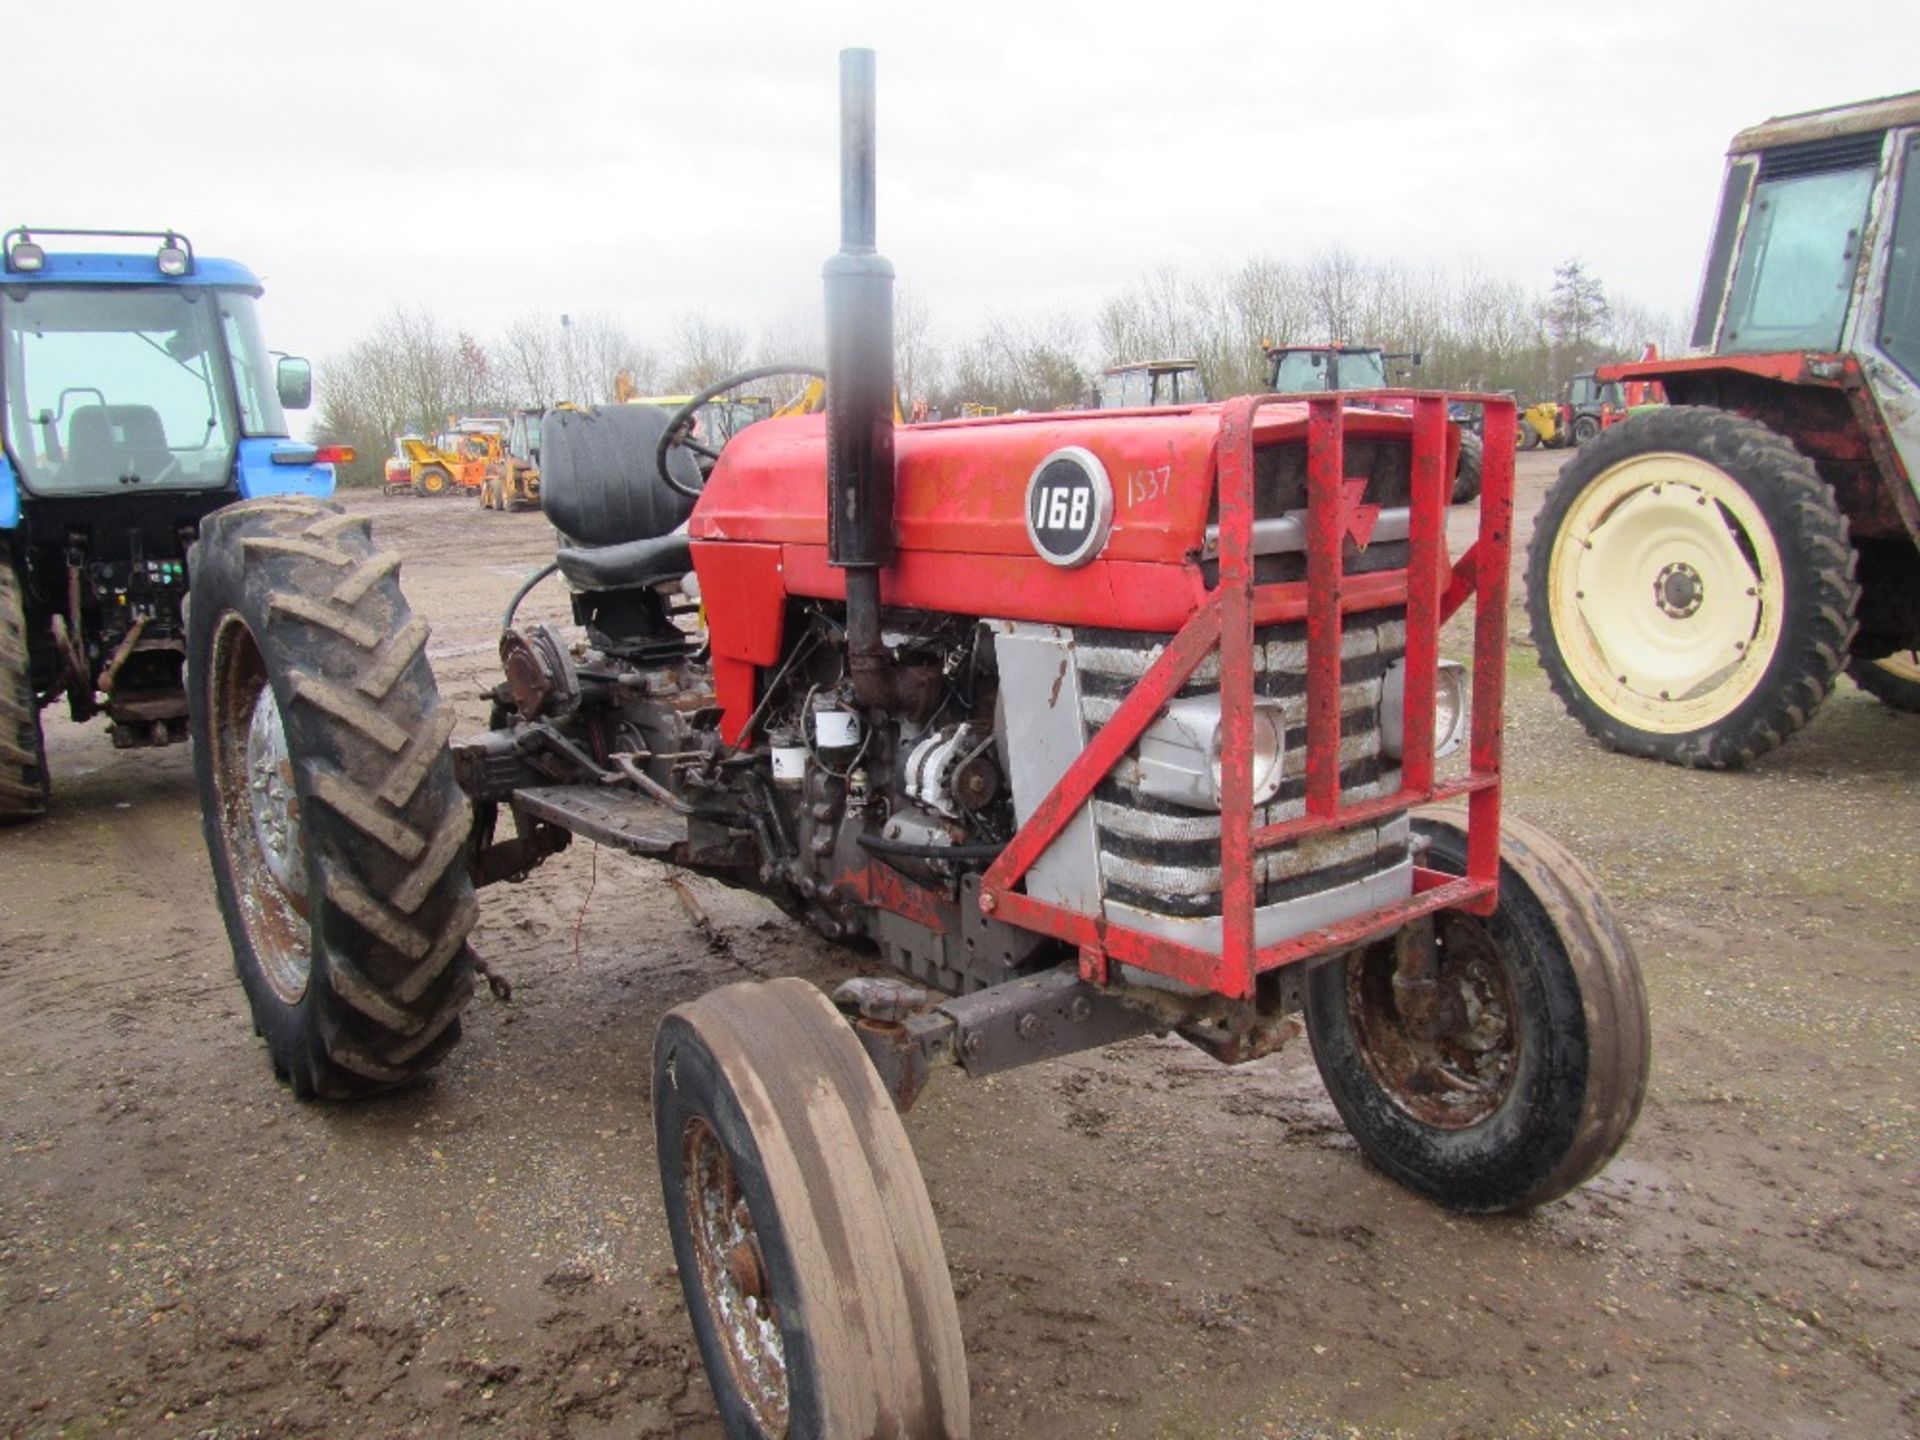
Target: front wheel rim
(733, 1276)
(1666, 595)
(258, 810)
(1457, 1073)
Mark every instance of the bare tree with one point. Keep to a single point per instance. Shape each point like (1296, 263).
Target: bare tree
(529, 358)
(916, 352)
(1476, 331)
(704, 350)
(406, 376)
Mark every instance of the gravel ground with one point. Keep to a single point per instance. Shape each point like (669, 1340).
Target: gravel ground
(1144, 1243)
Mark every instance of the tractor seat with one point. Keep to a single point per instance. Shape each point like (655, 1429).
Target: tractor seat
(107, 442)
(600, 488)
(629, 566)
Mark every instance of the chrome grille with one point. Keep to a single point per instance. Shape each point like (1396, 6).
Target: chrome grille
(1162, 857)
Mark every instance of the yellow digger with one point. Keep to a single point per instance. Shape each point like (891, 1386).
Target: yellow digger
(514, 481)
(1540, 425)
(438, 471)
(457, 460)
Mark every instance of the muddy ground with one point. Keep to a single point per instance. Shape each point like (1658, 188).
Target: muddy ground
(1144, 1243)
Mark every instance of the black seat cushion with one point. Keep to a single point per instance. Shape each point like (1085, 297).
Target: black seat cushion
(623, 567)
(598, 482)
(111, 441)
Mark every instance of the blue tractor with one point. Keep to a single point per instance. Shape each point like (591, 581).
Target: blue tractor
(139, 399)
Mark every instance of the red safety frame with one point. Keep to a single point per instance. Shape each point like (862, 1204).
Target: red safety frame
(1431, 590)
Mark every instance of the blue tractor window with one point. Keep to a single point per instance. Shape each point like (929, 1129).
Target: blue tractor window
(116, 387)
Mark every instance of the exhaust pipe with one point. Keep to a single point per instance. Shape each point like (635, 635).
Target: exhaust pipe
(859, 289)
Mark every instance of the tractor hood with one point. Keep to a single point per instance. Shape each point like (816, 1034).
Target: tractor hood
(962, 486)
(966, 496)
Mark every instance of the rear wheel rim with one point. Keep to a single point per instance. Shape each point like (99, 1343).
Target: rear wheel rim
(259, 811)
(733, 1275)
(1904, 667)
(1666, 595)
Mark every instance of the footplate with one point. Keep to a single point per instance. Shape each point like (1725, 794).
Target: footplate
(611, 817)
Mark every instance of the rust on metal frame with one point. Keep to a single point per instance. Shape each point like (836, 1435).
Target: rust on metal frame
(1430, 589)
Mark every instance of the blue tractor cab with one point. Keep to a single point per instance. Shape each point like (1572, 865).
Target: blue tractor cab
(139, 398)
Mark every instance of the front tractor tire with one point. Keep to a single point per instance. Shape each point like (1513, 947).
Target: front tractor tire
(1691, 588)
(434, 482)
(24, 780)
(808, 1254)
(1528, 1073)
(335, 827)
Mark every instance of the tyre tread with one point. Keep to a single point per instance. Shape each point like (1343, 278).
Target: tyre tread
(23, 755)
(385, 820)
(1812, 536)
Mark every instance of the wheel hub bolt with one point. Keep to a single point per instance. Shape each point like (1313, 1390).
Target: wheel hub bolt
(1678, 590)
(745, 1270)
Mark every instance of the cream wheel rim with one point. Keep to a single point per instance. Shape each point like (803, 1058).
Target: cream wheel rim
(1665, 592)
(1903, 666)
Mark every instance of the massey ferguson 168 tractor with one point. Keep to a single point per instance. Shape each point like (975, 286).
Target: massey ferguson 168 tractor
(139, 397)
(1702, 572)
(1090, 725)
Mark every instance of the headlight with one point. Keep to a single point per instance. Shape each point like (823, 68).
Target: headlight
(1449, 708)
(1180, 753)
(26, 257)
(172, 260)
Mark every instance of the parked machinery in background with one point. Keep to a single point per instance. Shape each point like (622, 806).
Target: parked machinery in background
(514, 481)
(1354, 369)
(1147, 383)
(1702, 572)
(139, 399)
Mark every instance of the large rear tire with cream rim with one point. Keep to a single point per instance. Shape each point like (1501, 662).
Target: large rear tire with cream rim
(1691, 587)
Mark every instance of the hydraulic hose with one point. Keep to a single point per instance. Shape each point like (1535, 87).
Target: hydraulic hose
(506, 621)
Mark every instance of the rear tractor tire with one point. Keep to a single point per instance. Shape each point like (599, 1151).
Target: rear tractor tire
(1894, 681)
(337, 833)
(1691, 588)
(1466, 473)
(24, 782)
(1586, 429)
(434, 482)
(1533, 1079)
(808, 1254)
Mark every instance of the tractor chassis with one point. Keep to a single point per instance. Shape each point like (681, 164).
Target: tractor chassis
(1238, 1005)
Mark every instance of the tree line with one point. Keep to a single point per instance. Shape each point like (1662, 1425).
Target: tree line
(1473, 331)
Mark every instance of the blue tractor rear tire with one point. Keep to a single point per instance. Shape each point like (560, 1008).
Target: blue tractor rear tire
(23, 753)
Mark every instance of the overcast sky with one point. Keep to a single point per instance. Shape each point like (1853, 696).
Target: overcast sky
(647, 160)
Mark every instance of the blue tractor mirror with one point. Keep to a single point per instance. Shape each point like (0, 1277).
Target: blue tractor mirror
(294, 378)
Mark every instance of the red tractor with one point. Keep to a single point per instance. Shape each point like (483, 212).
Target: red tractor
(1702, 572)
(1090, 724)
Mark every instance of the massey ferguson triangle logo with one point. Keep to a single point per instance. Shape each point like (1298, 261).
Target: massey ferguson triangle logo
(1357, 518)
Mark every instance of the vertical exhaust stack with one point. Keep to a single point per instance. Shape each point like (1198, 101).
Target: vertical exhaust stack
(859, 286)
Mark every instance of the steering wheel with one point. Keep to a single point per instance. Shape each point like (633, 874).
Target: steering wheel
(679, 429)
